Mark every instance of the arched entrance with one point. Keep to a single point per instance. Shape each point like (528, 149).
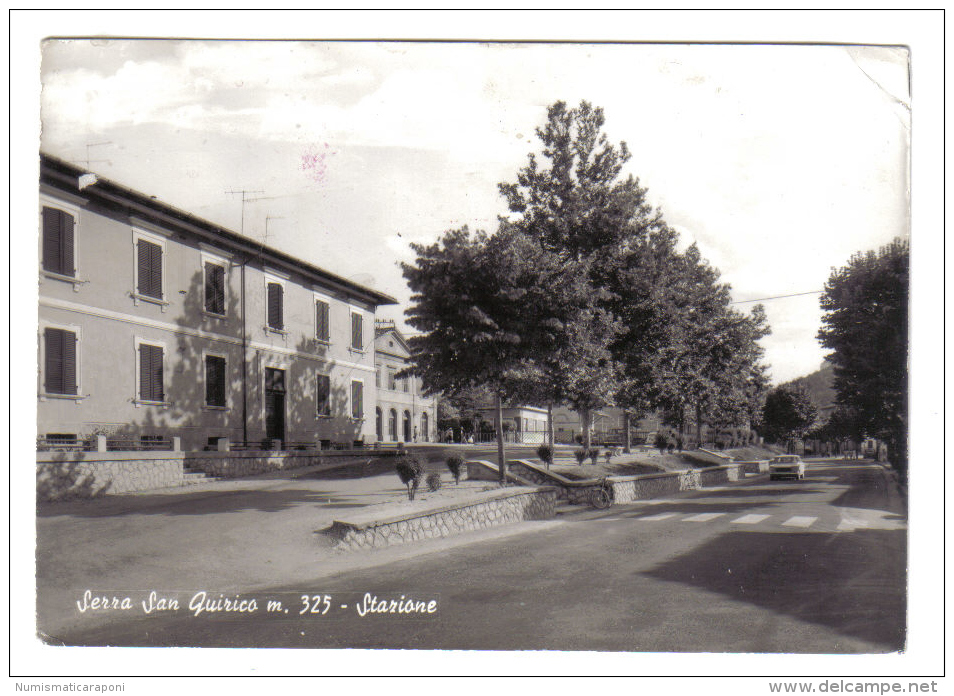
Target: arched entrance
(407, 426)
(392, 425)
(424, 429)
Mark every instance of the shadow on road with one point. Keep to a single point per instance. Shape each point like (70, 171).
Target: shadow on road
(811, 577)
(206, 502)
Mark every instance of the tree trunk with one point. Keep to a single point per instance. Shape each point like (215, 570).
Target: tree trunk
(501, 454)
(628, 441)
(585, 422)
(550, 425)
(698, 424)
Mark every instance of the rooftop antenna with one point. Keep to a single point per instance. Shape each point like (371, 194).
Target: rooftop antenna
(92, 161)
(245, 200)
(267, 218)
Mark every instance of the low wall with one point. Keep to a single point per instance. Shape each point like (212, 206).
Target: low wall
(628, 488)
(68, 475)
(755, 467)
(488, 509)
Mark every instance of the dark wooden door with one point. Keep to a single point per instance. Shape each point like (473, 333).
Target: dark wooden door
(275, 404)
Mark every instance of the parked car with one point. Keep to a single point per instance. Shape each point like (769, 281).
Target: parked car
(786, 466)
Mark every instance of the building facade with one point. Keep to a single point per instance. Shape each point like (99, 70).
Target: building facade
(607, 425)
(154, 323)
(402, 414)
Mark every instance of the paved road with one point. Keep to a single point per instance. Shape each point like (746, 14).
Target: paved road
(816, 566)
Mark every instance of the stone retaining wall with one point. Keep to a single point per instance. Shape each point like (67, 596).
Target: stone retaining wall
(755, 467)
(628, 488)
(489, 509)
(69, 475)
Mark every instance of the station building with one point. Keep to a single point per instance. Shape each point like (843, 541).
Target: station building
(154, 323)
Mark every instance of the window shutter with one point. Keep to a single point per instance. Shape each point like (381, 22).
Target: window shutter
(321, 321)
(357, 407)
(51, 240)
(58, 242)
(324, 395)
(150, 269)
(69, 362)
(67, 266)
(214, 288)
(356, 338)
(60, 362)
(214, 380)
(275, 319)
(150, 373)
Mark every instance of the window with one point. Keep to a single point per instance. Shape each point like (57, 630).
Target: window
(357, 338)
(323, 391)
(357, 394)
(149, 269)
(322, 331)
(58, 232)
(60, 362)
(214, 288)
(391, 380)
(150, 373)
(377, 378)
(275, 298)
(215, 381)
(406, 384)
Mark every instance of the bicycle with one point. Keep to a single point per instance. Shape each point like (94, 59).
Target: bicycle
(602, 497)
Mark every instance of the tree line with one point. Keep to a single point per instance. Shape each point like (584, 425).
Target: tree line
(581, 297)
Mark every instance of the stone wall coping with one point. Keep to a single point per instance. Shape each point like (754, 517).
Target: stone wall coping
(378, 518)
(576, 483)
(716, 454)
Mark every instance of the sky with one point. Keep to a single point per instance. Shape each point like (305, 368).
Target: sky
(780, 162)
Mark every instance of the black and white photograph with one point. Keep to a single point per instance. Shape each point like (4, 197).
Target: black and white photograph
(554, 348)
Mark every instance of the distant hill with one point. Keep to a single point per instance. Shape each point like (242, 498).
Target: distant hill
(818, 385)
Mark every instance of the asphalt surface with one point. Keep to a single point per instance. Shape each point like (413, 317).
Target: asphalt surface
(816, 566)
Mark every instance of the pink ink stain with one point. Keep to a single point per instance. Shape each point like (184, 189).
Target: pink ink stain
(314, 162)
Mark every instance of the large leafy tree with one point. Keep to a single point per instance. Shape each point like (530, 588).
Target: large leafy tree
(573, 201)
(787, 414)
(496, 313)
(866, 326)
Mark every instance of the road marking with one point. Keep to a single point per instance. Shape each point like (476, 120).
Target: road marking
(659, 516)
(850, 524)
(703, 517)
(799, 522)
(750, 519)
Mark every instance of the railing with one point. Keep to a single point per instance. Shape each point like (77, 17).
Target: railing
(62, 444)
(104, 443)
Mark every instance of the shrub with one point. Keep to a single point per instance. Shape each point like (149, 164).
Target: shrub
(609, 455)
(455, 463)
(433, 481)
(594, 455)
(410, 470)
(661, 442)
(580, 455)
(545, 452)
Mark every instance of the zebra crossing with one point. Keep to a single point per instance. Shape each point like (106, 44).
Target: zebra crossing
(838, 522)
